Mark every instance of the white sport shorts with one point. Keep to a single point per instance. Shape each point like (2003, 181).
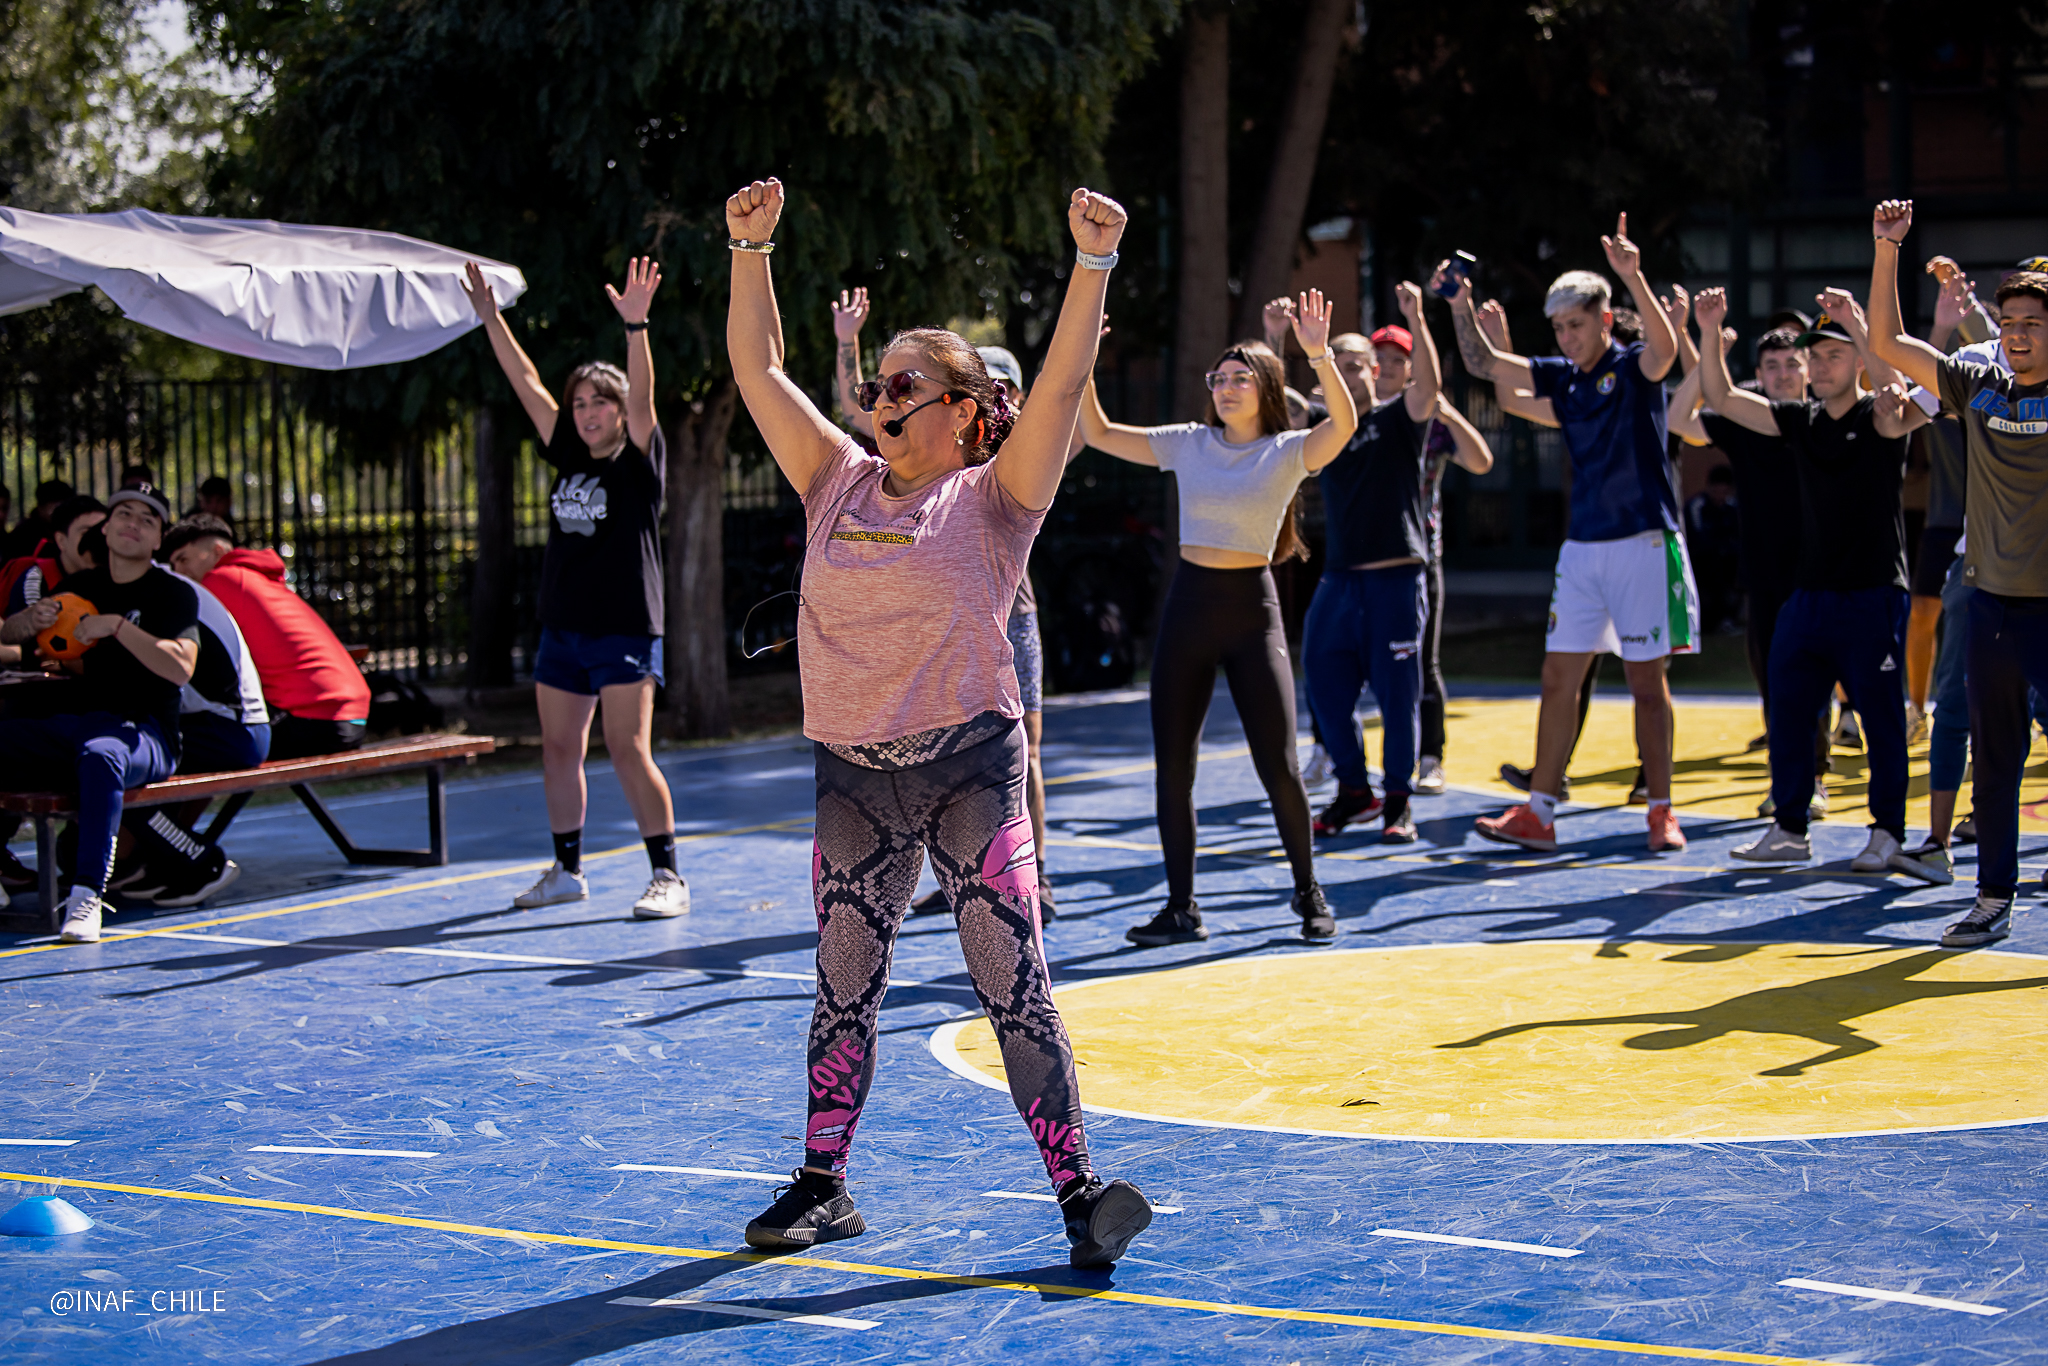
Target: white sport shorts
(1633, 597)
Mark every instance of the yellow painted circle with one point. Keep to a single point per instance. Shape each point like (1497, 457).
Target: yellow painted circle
(1564, 1042)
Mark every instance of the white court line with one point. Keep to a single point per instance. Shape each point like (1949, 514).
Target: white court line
(537, 960)
(1928, 1301)
(1539, 1249)
(37, 1142)
(1054, 1199)
(744, 1311)
(349, 1152)
(699, 1171)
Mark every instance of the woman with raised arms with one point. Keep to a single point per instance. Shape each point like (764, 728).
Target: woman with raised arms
(910, 698)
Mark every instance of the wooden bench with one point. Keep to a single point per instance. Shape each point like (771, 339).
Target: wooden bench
(430, 752)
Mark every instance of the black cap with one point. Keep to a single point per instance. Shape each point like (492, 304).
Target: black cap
(137, 491)
(1791, 319)
(1824, 329)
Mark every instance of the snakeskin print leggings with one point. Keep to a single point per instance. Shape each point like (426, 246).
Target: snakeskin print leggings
(959, 792)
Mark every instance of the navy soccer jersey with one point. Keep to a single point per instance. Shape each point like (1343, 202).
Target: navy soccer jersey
(1613, 420)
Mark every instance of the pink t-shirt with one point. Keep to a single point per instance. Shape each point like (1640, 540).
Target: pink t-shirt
(907, 600)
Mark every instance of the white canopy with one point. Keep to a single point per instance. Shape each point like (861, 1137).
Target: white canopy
(324, 298)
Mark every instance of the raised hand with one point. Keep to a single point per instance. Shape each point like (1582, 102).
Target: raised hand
(1891, 403)
(849, 313)
(1436, 278)
(643, 277)
(1312, 323)
(1493, 322)
(1622, 255)
(752, 213)
(1097, 222)
(1892, 220)
(479, 291)
(1277, 315)
(1408, 298)
(1952, 305)
(1841, 305)
(1943, 269)
(1710, 306)
(1676, 308)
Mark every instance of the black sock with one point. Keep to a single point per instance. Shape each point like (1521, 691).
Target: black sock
(1396, 807)
(820, 1184)
(661, 851)
(569, 850)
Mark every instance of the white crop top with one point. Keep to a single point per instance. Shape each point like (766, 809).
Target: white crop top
(1231, 497)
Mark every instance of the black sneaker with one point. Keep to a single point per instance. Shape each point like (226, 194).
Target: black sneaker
(191, 885)
(1987, 922)
(1761, 743)
(933, 903)
(811, 1209)
(1318, 926)
(1399, 827)
(1520, 778)
(15, 876)
(1048, 909)
(1173, 925)
(1102, 1220)
(1965, 831)
(1352, 804)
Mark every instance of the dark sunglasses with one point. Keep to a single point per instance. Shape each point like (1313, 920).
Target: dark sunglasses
(897, 386)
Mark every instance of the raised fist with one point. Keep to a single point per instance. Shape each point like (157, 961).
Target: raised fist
(752, 213)
(1710, 306)
(1097, 222)
(1892, 220)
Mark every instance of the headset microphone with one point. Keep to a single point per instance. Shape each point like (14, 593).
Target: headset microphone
(894, 426)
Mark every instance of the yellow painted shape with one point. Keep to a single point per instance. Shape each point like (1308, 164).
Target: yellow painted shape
(902, 1273)
(1575, 1042)
(1713, 775)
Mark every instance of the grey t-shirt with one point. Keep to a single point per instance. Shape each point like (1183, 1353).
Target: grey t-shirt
(1231, 497)
(2005, 425)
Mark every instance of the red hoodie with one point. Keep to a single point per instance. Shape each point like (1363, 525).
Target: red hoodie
(303, 667)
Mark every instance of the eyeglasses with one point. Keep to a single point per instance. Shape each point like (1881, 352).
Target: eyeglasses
(898, 387)
(1219, 380)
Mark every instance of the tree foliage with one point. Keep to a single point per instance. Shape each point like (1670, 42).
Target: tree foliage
(927, 148)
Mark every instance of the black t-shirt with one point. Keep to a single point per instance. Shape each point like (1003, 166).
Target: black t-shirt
(1852, 523)
(115, 680)
(602, 573)
(1767, 495)
(1375, 498)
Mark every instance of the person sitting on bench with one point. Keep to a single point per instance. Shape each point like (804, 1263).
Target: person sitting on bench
(119, 728)
(27, 578)
(319, 700)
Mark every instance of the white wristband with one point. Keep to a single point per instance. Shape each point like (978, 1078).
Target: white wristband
(1089, 260)
(1320, 356)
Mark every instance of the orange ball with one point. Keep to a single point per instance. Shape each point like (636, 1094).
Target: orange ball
(59, 640)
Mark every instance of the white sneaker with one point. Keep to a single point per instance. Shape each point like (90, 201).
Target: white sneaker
(1930, 863)
(1429, 777)
(1989, 921)
(1817, 809)
(1317, 771)
(666, 896)
(1776, 845)
(1916, 725)
(556, 885)
(1848, 731)
(82, 911)
(1876, 855)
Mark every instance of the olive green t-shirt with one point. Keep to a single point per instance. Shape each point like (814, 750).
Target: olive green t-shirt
(2005, 425)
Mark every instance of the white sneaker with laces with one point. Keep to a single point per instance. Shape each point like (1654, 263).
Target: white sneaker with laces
(1989, 921)
(1776, 845)
(1877, 855)
(1930, 863)
(1429, 777)
(667, 896)
(1817, 809)
(82, 911)
(556, 885)
(1317, 771)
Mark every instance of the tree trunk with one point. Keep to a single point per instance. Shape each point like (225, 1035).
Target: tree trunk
(1204, 205)
(694, 652)
(491, 626)
(1270, 269)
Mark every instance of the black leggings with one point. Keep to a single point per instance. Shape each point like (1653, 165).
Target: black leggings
(1433, 665)
(1227, 617)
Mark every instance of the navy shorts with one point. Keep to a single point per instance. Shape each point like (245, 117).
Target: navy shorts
(579, 663)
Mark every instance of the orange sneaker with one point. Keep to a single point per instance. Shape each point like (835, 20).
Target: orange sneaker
(1664, 831)
(1518, 825)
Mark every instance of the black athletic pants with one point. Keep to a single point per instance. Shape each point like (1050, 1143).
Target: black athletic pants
(1433, 665)
(1228, 618)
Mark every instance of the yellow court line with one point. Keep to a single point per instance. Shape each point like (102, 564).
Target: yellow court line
(947, 1278)
(184, 926)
